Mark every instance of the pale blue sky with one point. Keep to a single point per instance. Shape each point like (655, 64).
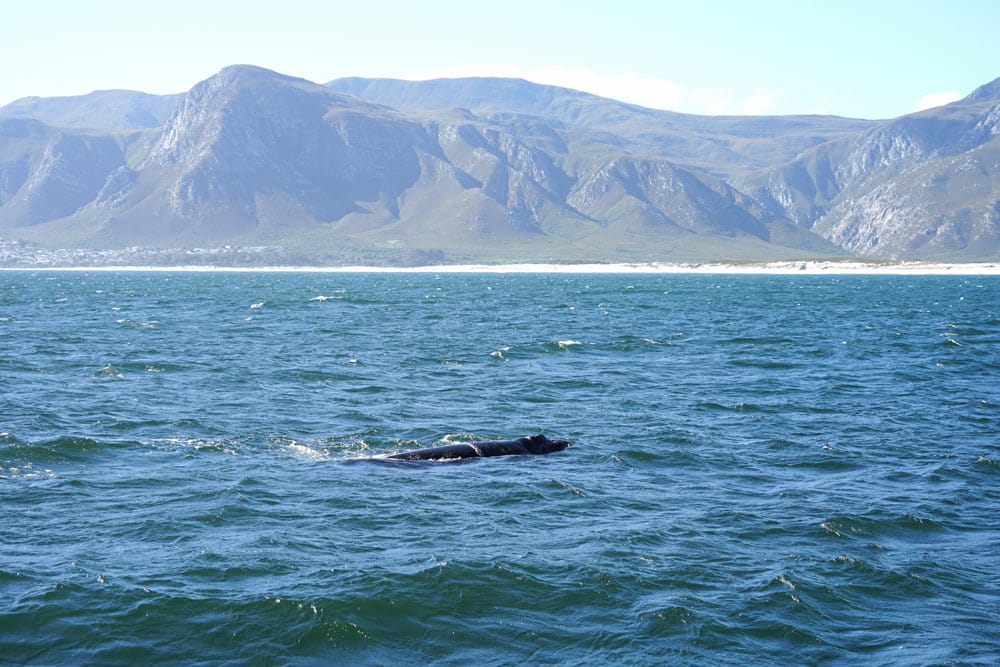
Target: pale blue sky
(863, 58)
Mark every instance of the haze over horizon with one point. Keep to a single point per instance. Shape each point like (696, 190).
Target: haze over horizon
(858, 59)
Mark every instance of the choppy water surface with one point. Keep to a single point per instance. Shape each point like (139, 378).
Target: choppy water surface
(783, 469)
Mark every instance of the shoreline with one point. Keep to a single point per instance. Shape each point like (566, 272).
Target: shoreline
(801, 267)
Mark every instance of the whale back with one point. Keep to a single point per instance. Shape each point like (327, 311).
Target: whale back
(531, 444)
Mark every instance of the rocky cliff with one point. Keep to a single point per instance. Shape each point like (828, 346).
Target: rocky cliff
(925, 185)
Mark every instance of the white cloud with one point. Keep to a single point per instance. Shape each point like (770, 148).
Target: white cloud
(627, 87)
(931, 100)
(758, 102)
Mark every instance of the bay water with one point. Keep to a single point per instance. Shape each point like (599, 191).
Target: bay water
(765, 469)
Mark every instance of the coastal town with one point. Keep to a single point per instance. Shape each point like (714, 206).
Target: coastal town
(21, 254)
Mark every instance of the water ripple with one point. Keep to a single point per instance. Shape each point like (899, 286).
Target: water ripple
(763, 467)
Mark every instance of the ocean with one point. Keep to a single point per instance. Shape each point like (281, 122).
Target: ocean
(765, 469)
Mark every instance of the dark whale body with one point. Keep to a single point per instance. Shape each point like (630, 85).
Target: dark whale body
(529, 444)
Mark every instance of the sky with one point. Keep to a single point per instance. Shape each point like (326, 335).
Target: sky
(864, 59)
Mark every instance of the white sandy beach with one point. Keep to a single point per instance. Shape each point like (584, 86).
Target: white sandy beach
(785, 267)
(804, 267)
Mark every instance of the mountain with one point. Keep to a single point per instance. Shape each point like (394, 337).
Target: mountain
(490, 170)
(108, 109)
(48, 174)
(722, 145)
(925, 185)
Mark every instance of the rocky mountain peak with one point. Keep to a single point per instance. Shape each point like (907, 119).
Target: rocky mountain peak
(243, 100)
(250, 75)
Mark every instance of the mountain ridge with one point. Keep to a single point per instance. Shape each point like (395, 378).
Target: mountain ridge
(667, 132)
(107, 109)
(389, 171)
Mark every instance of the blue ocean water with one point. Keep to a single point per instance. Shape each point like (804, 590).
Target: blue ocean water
(765, 470)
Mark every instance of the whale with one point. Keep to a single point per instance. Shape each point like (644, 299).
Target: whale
(525, 445)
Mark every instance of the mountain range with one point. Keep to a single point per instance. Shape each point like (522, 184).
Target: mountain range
(383, 171)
